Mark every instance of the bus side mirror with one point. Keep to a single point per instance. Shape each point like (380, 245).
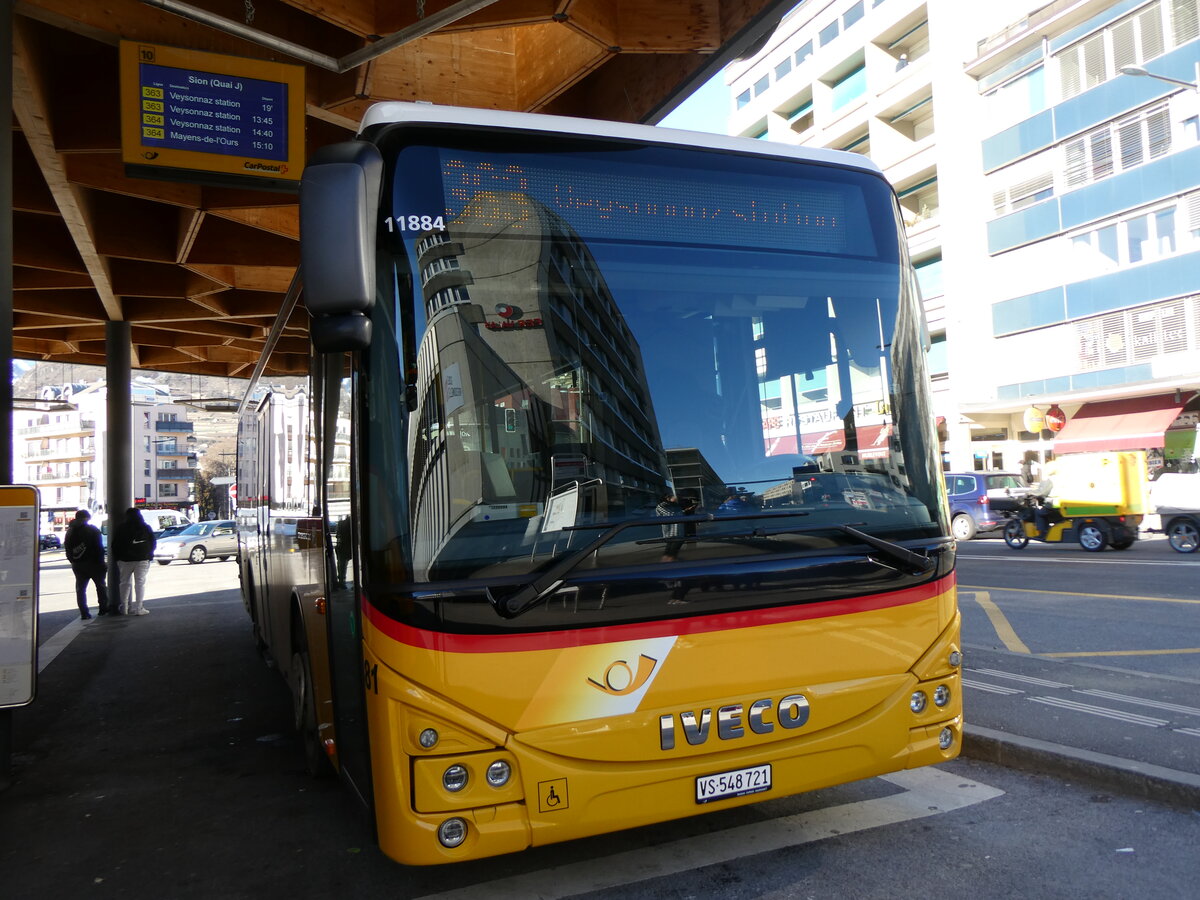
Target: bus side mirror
(339, 202)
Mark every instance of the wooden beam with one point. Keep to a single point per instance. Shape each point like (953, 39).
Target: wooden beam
(106, 172)
(29, 106)
(281, 220)
(45, 242)
(135, 278)
(80, 305)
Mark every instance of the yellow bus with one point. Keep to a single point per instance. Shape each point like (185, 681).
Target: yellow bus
(590, 480)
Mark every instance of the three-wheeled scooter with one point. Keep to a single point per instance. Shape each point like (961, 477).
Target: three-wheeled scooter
(1097, 499)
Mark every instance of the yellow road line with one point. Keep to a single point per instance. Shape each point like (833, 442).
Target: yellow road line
(971, 587)
(1125, 652)
(1004, 630)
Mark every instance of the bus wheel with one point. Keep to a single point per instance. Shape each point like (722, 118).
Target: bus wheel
(1093, 537)
(304, 710)
(1014, 534)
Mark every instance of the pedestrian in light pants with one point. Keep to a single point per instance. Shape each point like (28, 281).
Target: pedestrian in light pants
(133, 546)
(133, 582)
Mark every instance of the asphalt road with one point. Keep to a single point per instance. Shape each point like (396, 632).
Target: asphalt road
(158, 762)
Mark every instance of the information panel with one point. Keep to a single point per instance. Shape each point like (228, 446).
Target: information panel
(18, 594)
(187, 115)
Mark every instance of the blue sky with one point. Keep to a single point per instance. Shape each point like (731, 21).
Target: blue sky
(706, 110)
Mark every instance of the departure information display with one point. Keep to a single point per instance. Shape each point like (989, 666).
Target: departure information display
(206, 117)
(192, 110)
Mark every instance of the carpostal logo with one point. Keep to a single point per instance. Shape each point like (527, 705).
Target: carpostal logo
(620, 678)
(280, 169)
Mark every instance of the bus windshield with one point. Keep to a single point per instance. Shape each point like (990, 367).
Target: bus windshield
(581, 333)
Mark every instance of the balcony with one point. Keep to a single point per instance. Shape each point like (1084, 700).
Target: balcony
(176, 474)
(165, 425)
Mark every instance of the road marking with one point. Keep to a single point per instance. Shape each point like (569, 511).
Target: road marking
(926, 792)
(1004, 630)
(1194, 732)
(55, 645)
(1119, 715)
(1092, 561)
(1154, 704)
(1027, 679)
(1182, 650)
(970, 587)
(991, 688)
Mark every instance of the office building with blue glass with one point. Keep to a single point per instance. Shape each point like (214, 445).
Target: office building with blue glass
(1048, 168)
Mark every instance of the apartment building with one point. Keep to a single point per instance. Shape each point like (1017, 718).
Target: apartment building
(1052, 202)
(61, 450)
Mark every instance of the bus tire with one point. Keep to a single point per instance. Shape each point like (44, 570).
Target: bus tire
(304, 707)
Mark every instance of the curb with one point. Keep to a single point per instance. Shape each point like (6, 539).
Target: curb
(1112, 772)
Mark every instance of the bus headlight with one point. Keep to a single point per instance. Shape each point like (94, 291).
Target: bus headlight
(498, 773)
(428, 738)
(955, 659)
(941, 695)
(945, 738)
(452, 832)
(454, 779)
(918, 701)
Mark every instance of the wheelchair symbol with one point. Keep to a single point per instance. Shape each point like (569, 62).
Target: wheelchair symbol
(552, 795)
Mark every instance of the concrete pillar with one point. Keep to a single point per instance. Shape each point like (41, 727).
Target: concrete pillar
(118, 474)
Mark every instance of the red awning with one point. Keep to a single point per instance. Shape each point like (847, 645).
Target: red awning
(1138, 423)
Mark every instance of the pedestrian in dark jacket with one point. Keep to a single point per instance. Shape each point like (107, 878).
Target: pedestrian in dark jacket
(84, 549)
(133, 546)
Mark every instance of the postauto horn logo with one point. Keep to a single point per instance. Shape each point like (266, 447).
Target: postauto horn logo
(620, 679)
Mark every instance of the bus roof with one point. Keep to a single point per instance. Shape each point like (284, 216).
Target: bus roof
(397, 111)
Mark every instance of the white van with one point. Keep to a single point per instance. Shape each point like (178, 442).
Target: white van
(157, 519)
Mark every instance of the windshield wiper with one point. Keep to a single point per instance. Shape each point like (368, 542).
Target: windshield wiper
(918, 562)
(549, 581)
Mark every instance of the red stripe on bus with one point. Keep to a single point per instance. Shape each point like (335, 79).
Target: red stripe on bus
(635, 631)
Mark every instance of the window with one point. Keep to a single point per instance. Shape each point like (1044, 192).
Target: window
(743, 99)
(1024, 193)
(800, 114)
(929, 276)
(762, 84)
(938, 364)
(1139, 238)
(1138, 138)
(853, 14)
(168, 490)
(828, 33)
(783, 67)
(1019, 98)
(850, 87)
(804, 52)
(1133, 40)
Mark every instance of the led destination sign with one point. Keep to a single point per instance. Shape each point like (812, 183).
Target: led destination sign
(187, 115)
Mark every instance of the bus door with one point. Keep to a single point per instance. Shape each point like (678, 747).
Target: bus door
(344, 617)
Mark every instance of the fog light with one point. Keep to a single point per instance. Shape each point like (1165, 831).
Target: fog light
(918, 701)
(428, 738)
(955, 658)
(452, 832)
(455, 778)
(498, 773)
(941, 695)
(946, 738)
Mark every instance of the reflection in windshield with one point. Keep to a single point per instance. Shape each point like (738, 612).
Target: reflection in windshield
(562, 384)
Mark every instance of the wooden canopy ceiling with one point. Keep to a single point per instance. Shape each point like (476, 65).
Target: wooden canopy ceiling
(200, 272)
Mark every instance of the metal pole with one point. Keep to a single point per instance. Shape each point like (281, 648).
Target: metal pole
(6, 313)
(119, 474)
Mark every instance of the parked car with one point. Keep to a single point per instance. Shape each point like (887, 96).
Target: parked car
(159, 521)
(198, 542)
(50, 542)
(172, 530)
(978, 500)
